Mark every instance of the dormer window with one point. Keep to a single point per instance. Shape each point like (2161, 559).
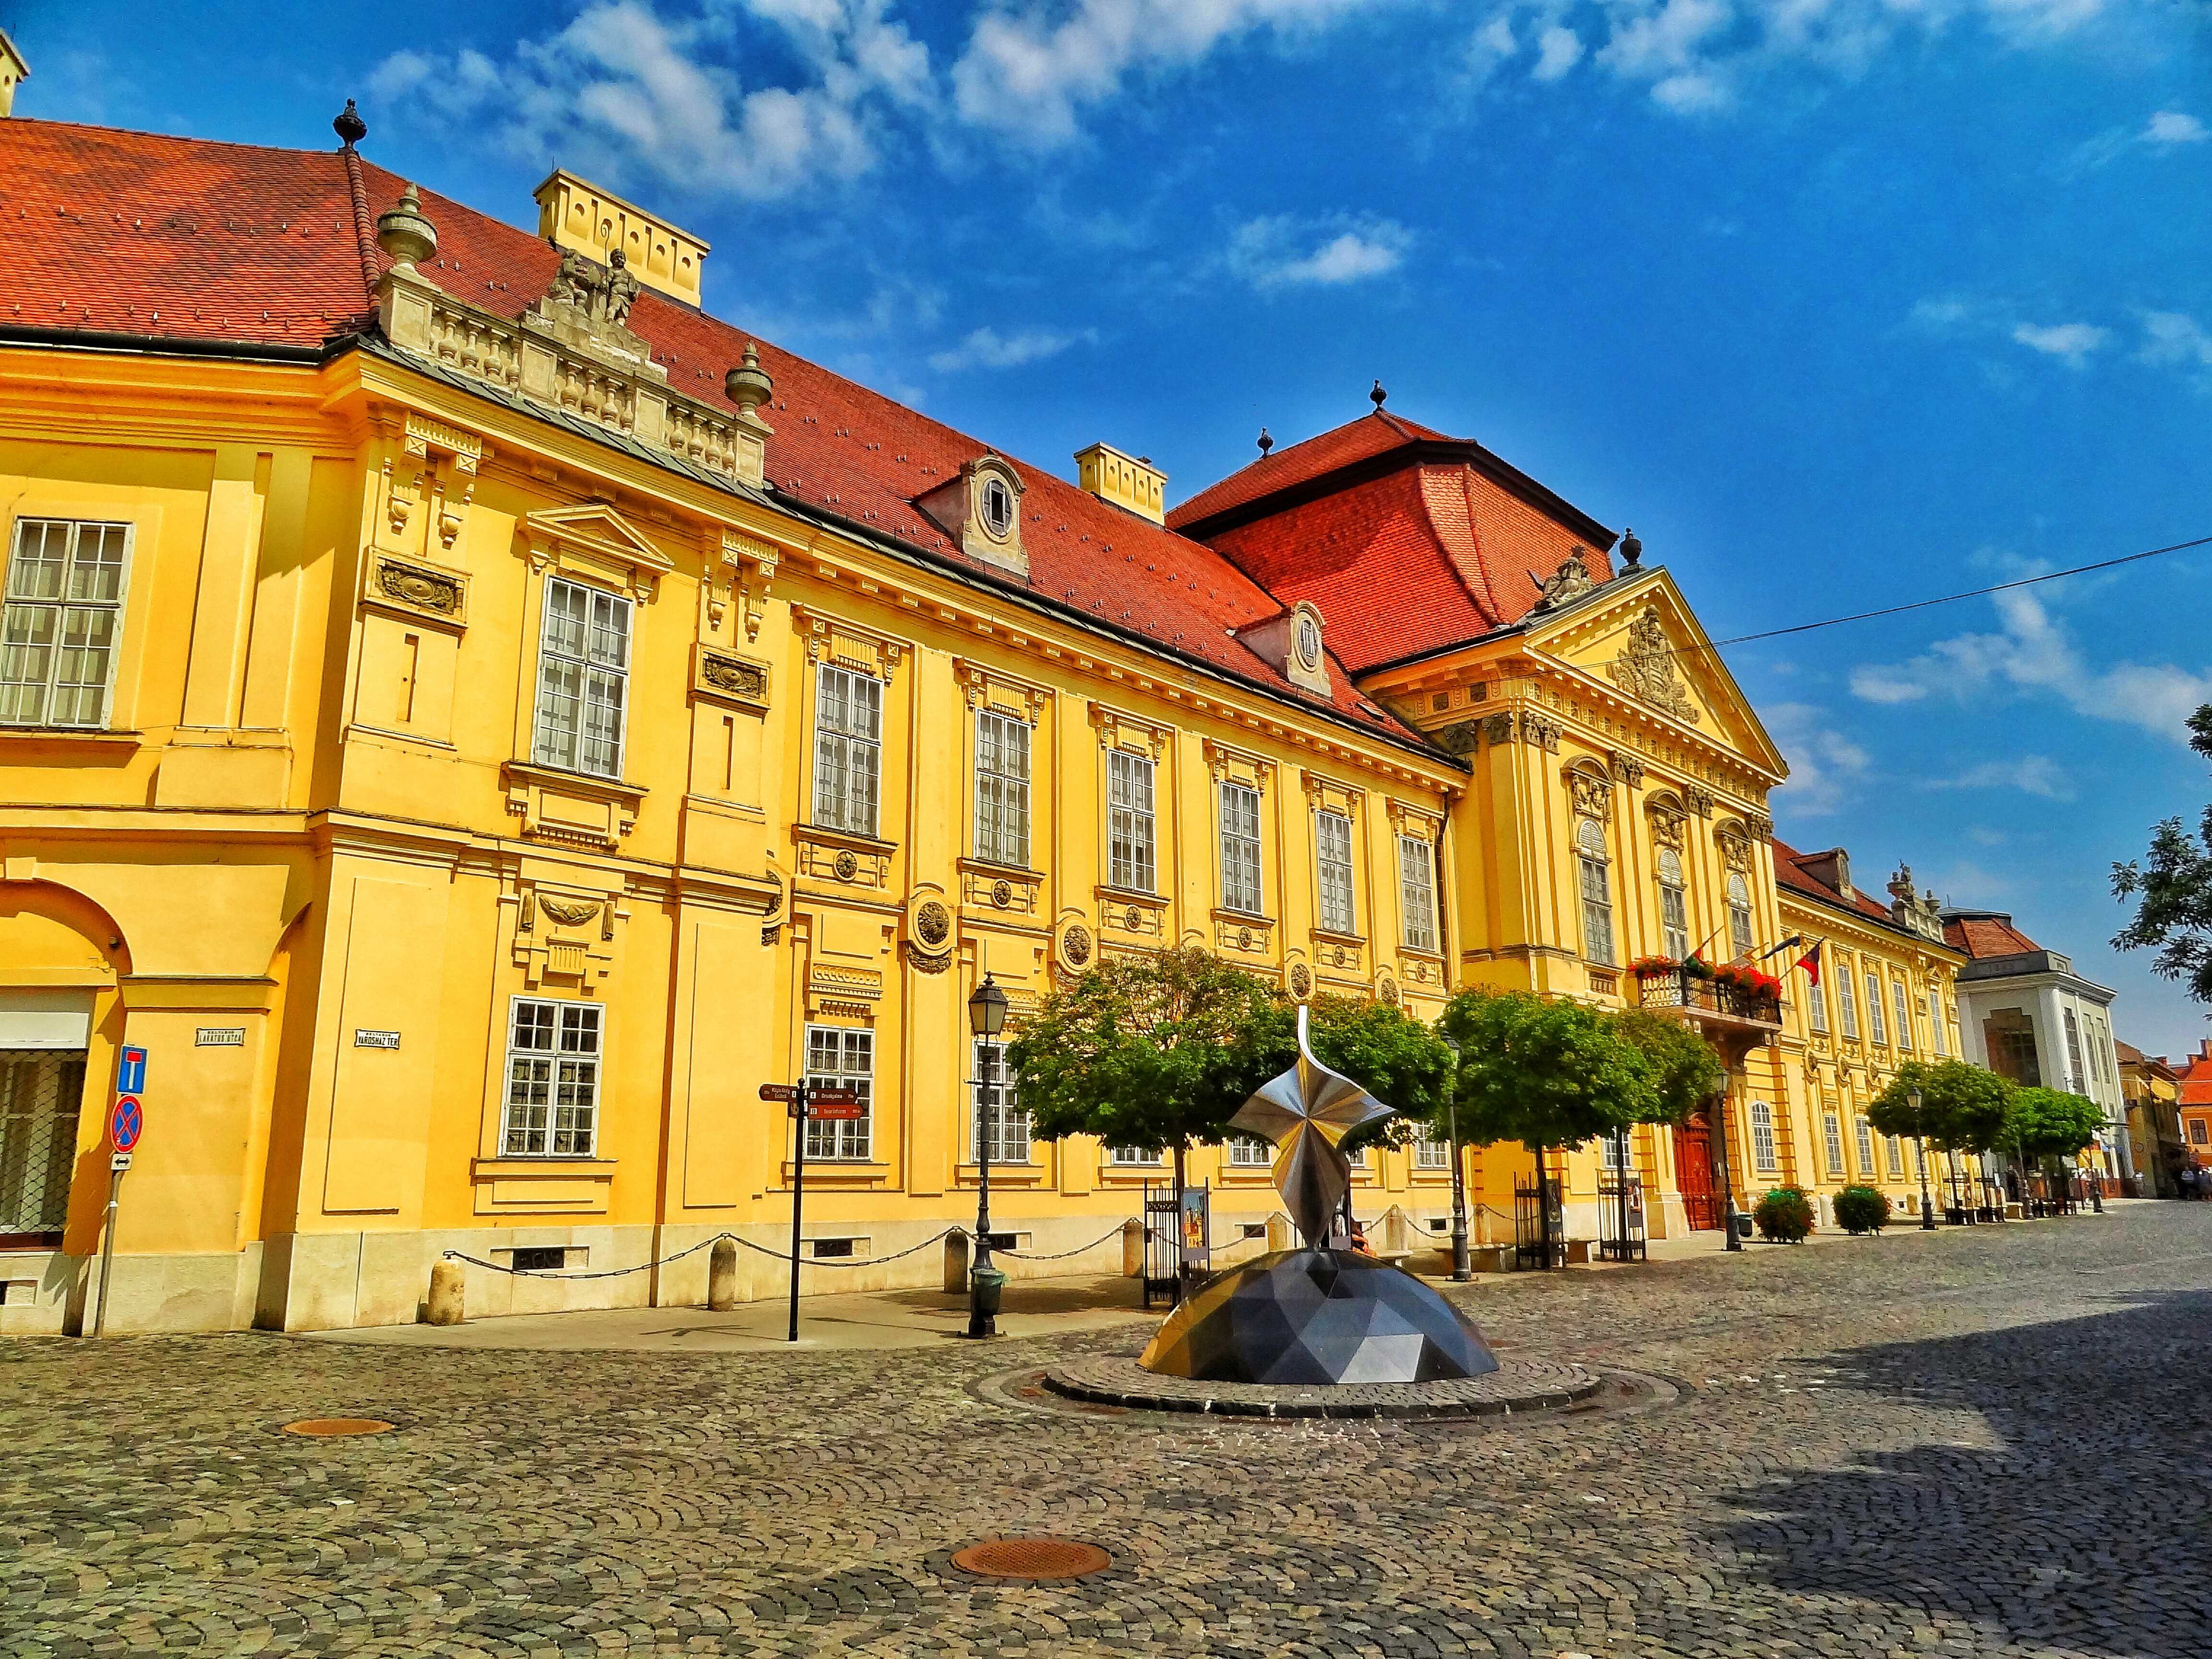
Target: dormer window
(997, 507)
(1308, 640)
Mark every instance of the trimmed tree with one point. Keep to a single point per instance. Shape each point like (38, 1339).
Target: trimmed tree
(2174, 909)
(1155, 1052)
(2048, 1123)
(1685, 1072)
(1963, 1108)
(1544, 1073)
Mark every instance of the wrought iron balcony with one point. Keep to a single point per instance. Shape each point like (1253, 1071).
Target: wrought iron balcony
(1737, 1019)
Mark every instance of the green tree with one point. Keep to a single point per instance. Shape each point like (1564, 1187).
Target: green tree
(1963, 1108)
(2173, 912)
(1545, 1073)
(1156, 1052)
(2048, 1123)
(1685, 1072)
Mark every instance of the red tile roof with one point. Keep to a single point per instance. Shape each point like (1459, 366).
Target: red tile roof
(1789, 872)
(184, 237)
(1408, 540)
(1983, 936)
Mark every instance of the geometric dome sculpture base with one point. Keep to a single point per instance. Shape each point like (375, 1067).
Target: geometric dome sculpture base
(1317, 1316)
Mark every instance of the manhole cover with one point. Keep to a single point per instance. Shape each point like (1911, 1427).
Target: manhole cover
(337, 1425)
(1032, 1557)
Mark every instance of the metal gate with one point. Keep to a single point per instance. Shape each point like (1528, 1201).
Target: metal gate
(40, 1090)
(1178, 1249)
(1620, 1218)
(1530, 1235)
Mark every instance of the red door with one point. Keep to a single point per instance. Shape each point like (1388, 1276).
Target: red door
(1693, 1175)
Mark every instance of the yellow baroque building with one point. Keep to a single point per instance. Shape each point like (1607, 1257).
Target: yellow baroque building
(1887, 993)
(472, 719)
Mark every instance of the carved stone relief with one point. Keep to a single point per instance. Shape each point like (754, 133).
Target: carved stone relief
(1645, 669)
(1627, 769)
(1593, 795)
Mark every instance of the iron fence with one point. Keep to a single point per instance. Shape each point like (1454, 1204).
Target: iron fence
(1539, 1233)
(1620, 1235)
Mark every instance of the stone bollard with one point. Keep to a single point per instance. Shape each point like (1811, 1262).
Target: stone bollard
(1132, 1248)
(445, 1306)
(722, 1276)
(956, 1264)
(1281, 1236)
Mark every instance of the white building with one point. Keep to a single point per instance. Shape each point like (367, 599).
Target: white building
(2024, 1014)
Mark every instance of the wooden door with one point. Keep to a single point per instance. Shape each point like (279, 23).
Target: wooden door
(1693, 1175)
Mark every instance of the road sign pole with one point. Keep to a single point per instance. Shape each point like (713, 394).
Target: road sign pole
(798, 1187)
(116, 1165)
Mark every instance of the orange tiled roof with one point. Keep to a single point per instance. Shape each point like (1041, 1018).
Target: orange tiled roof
(1400, 558)
(1789, 872)
(188, 239)
(1982, 937)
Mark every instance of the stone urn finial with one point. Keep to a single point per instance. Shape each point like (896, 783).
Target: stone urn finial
(348, 125)
(405, 234)
(749, 386)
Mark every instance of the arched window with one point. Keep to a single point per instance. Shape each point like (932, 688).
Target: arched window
(1738, 909)
(1597, 893)
(1673, 905)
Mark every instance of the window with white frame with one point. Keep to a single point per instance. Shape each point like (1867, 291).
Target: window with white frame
(1597, 893)
(2074, 1051)
(1416, 892)
(1936, 1026)
(1865, 1132)
(1612, 1153)
(62, 623)
(1674, 906)
(1002, 788)
(1846, 1003)
(842, 1057)
(1332, 868)
(1249, 1152)
(1816, 1008)
(1896, 1148)
(552, 1079)
(1739, 910)
(1920, 1157)
(994, 1108)
(1904, 1010)
(1132, 1155)
(1431, 1154)
(1832, 1137)
(1129, 861)
(1356, 1157)
(583, 679)
(848, 739)
(1875, 1028)
(1240, 848)
(1762, 1138)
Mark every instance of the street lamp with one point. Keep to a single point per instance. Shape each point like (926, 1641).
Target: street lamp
(986, 1017)
(1920, 1156)
(1462, 1270)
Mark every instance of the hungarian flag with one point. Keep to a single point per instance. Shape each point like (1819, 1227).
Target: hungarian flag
(1810, 961)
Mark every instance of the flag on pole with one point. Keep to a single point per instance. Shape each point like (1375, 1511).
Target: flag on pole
(1810, 961)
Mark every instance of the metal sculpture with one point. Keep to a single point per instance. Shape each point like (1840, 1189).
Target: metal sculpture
(1305, 1114)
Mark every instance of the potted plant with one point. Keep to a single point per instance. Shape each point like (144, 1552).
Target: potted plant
(1784, 1216)
(1861, 1210)
(1655, 967)
(1697, 967)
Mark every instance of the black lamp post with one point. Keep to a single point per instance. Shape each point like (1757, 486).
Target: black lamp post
(1462, 1269)
(986, 1017)
(1920, 1155)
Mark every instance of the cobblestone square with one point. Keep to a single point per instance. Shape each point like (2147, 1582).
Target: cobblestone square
(1985, 1441)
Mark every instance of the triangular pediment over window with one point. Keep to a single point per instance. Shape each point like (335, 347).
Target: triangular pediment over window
(595, 538)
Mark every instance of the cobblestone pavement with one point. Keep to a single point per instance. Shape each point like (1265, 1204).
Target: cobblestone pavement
(1976, 1442)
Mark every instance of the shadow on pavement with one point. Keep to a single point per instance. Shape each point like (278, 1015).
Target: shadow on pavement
(2084, 1532)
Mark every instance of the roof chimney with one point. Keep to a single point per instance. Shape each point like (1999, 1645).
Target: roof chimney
(12, 70)
(1110, 476)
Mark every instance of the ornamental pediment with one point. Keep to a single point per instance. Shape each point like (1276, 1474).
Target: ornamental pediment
(597, 538)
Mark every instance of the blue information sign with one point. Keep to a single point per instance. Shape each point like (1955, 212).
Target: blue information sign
(130, 1071)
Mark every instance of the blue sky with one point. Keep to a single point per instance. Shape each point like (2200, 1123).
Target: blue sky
(1839, 302)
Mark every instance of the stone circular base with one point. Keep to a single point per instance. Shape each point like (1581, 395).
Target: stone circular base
(1519, 1384)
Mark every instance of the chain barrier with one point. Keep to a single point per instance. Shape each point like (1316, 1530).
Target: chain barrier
(1058, 1255)
(774, 1255)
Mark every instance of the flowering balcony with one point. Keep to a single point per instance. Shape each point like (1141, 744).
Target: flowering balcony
(1737, 1008)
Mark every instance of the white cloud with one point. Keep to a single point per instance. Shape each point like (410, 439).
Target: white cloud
(2033, 655)
(2171, 337)
(1282, 251)
(2032, 774)
(639, 93)
(2073, 342)
(1558, 51)
(1828, 770)
(2169, 127)
(987, 347)
(1030, 70)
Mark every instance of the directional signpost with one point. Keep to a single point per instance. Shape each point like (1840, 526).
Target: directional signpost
(803, 1101)
(127, 1122)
